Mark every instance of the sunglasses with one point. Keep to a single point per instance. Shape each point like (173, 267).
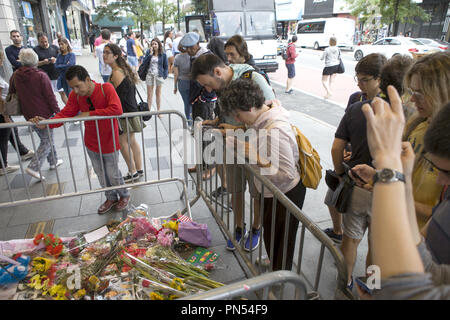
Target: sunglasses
(446, 172)
(91, 105)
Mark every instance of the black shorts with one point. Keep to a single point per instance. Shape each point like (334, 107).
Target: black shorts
(291, 70)
(328, 71)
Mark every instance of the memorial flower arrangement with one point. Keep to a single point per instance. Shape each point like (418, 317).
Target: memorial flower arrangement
(135, 259)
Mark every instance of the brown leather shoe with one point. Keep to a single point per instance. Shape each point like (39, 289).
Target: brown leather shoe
(122, 204)
(106, 206)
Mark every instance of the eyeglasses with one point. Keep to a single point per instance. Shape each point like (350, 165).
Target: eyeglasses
(446, 172)
(365, 80)
(419, 95)
(91, 105)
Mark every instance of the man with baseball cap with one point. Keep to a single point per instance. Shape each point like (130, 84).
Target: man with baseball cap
(202, 101)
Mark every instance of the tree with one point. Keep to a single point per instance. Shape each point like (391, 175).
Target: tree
(200, 6)
(167, 12)
(388, 11)
(144, 12)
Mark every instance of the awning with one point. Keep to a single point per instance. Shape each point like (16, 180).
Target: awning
(117, 23)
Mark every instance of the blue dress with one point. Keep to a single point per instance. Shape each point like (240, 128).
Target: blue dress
(63, 62)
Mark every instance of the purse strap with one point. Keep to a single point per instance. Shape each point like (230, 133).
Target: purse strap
(142, 100)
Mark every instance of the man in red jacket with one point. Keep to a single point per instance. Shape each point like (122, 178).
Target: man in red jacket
(88, 99)
(290, 63)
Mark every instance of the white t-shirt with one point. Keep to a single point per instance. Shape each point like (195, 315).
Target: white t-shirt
(168, 45)
(105, 70)
(331, 56)
(5, 88)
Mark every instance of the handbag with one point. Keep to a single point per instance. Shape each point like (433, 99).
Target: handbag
(142, 107)
(342, 195)
(195, 233)
(12, 105)
(143, 68)
(341, 67)
(332, 179)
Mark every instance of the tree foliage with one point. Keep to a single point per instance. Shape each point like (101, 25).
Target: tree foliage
(387, 11)
(200, 6)
(144, 12)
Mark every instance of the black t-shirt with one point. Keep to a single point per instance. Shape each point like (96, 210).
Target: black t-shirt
(352, 128)
(358, 96)
(50, 52)
(127, 95)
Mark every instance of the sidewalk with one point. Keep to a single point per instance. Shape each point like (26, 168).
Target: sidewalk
(66, 217)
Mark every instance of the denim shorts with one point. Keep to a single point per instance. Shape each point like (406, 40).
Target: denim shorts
(133, 61)
(291, 70)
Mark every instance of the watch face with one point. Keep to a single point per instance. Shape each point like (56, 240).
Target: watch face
(386, 174)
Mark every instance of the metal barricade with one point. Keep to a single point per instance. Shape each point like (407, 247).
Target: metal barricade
(256, 262)
(267, 282)
(78, 163)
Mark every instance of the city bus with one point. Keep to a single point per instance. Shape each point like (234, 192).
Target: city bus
(255, 21)
(316, 33)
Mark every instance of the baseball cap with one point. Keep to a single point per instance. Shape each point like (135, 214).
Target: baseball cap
(190, 39)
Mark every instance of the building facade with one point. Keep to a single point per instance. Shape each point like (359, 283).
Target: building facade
(30, 17)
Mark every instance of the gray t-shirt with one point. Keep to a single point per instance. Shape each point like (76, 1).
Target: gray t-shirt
(182, 62)
(433, 285)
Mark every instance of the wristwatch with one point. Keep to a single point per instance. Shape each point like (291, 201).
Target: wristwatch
(388, 175)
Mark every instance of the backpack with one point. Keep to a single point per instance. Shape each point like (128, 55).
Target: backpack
(308, 165)
(284, 52)
(248, 75)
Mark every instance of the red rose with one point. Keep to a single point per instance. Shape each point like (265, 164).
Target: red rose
(37, 238)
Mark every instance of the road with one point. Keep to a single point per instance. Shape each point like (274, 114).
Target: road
(309, 74)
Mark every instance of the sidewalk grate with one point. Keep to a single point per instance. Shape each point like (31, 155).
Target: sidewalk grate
(39, 227)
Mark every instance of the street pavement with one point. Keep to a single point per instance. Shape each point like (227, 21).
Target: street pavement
(308, 79)
(316, 117)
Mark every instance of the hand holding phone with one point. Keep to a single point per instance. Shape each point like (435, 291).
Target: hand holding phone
(354, 174)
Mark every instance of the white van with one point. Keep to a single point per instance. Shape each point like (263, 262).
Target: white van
(316, 33)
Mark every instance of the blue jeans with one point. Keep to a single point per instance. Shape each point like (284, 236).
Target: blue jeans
(132, 60)
(112, 175)
(46, 149)
(183, 87)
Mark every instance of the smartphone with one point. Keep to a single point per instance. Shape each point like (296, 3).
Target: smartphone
(347, 168)
(363, 285)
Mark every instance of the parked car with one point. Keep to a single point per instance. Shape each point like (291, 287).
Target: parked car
(392, 46)
(436, 44)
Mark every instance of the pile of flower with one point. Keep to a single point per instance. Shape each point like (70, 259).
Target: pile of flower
(135, 260)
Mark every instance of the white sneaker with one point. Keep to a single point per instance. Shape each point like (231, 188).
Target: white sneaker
(27, 156)
(34, 174)
(58, 163)
(8, 169)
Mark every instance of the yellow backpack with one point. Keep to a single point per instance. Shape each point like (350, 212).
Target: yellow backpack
(309, 161)
(308, 165)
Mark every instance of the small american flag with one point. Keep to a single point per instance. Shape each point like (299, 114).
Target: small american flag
(184, 218)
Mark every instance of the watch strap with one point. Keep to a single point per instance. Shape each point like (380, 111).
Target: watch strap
(396, 176)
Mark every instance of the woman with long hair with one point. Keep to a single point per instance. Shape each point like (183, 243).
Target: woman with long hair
(64, 60)
(124, 80)
(168, 43)
(157, 72)
(427, 83)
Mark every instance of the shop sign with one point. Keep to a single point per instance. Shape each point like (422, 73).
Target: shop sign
(27, 12)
